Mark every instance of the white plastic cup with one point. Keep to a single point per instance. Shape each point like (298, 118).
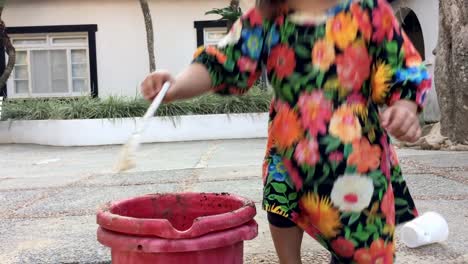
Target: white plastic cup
(427, 229)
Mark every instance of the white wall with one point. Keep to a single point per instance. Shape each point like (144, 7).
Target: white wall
(121, 40)
(175, 37)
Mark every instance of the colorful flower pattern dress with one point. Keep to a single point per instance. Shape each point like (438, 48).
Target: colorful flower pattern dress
(329, 167)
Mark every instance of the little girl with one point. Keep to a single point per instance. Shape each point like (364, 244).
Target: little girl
(330, 169)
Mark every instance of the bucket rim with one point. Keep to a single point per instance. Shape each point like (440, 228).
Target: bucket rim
(163, 228)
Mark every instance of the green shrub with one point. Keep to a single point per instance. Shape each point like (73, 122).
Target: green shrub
(256, 101)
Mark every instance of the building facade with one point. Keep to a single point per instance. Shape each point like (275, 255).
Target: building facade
(73, 48)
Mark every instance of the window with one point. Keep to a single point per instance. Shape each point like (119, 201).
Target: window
(50, 65)
(213, 35)
(210, 32)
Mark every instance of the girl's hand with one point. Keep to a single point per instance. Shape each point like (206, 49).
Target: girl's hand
(153, 84)
(195, 80)
(401, 121)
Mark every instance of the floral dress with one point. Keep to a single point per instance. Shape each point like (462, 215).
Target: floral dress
(329, 166)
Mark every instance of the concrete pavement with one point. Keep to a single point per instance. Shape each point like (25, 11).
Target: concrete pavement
(48, 196)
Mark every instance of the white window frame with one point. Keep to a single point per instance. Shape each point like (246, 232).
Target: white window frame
(49, 45)
(213, 41)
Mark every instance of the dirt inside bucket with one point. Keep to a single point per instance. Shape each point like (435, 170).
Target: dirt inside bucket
(180, 210)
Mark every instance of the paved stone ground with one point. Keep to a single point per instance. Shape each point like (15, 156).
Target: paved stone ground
(48, 196)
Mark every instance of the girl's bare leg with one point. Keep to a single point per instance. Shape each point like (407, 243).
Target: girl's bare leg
(288, 243)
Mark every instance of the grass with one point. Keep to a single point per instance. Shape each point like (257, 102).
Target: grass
(256, 101)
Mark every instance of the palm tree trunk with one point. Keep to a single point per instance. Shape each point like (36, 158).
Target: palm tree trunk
(234, 4)
(10, 50)
(149, 34)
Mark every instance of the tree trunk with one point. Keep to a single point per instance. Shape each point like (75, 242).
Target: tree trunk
(451, 71)
(149, 34)
(234, 4)
(10, 50)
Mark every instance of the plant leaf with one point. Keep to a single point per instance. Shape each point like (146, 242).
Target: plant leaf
(289, 153)
(279, 187)
(361, 236)
(347, 232)
(320, 78)
(401, 202)
(310, 175)
(302, 52)
(391, 47)
(278, 198)
(292, 196)
(348, 149)
(333, 145)
(287, 92)
(350, 169)
(371, 228)
(354, 217)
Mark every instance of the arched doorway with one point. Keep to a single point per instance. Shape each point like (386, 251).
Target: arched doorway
(411, 25)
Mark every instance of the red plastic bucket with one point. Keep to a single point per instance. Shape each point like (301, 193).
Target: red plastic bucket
(178, 228)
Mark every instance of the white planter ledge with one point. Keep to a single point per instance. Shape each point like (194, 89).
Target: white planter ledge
(96, 132)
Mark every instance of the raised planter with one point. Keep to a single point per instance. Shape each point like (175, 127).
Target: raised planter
(95, 132)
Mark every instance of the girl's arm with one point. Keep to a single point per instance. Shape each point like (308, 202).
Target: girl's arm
(192, 82)
(401, 80)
